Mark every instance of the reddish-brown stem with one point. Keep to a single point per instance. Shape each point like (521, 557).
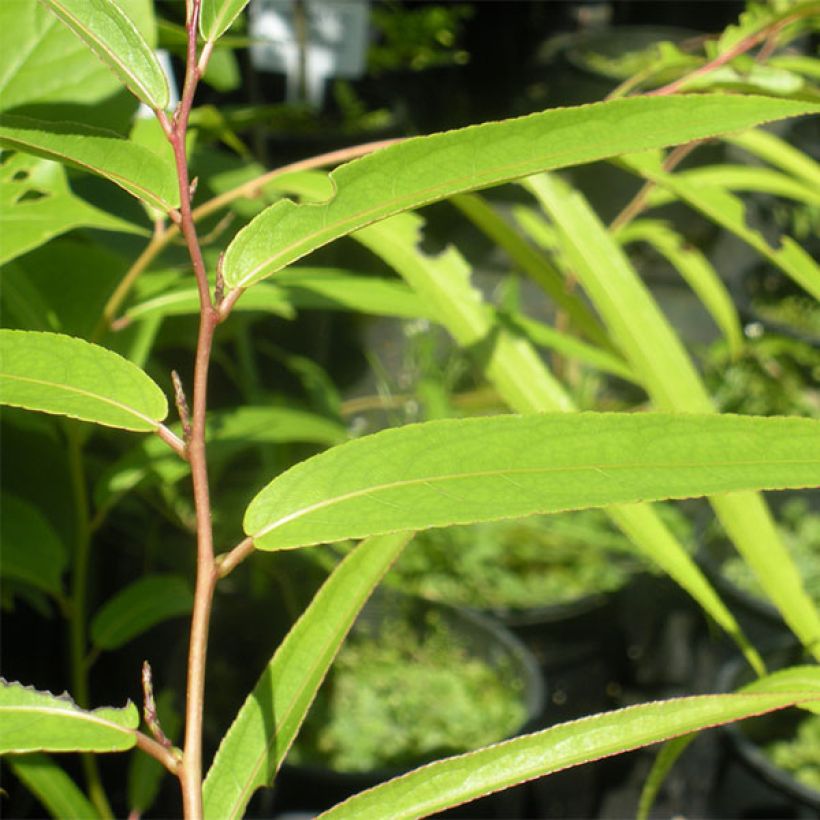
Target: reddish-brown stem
(228, 561)
(172, 440)
(190, 768)
(740, 47)
(166, 756)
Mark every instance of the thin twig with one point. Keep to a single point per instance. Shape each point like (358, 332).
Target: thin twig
(168, 757)
(229, 561)
(172, 440)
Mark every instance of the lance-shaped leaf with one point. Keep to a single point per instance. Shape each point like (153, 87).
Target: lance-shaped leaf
(527, 386)
(144, 603)
(658, 357)
(134, 168)
(457, 780)
(217, 16)
(480, 469)
(112, 36)
(696, 270)
(259, 738)
(52, 786)
(58, 374)
(728, 211)
(423, 170)
(35, 721)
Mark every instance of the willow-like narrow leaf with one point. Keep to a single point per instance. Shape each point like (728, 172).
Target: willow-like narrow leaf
(217, 16)
(459, 471)
(426, 169)
(52, 786)
(59, 374)
(112, 36)
(458, 780)
(259, 738)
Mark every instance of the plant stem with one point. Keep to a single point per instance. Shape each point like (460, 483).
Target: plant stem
(77, 620)
(163, 237)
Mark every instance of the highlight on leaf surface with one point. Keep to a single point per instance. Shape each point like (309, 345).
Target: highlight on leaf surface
(53, 373)
(35, 721)
(480, 469)
(112, 36)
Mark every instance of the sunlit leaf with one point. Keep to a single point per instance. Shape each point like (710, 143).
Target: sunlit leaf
(457, 780)
(137, 170)
(108, 31)
(259, 738)
(459, 471)
(426, 169)
(35, 721)
(71, 377)
(217, 16)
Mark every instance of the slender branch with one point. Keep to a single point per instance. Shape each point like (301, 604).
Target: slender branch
(229, 561)
(638, 202)
(172, 440)
(168, 757)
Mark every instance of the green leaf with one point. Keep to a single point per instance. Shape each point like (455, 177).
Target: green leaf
(70, 377)
(35, 721)
(141, 605)
(740, 178)
(534, 263)
(50, 784)
(113, 37)
(658, 357)
(135, 169)
(37, 205)
(302, 288)
(32, 551)
(728, 211)
(696, 270)
(666, 759)
(255, 745)
(426, 169)
(481, 469)
(523, 381)
(42, 62)
(460, 779)
(217, 16)
(776, 151)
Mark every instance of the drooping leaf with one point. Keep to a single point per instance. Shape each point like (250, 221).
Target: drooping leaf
(32, 551)
(71, 377)
(729, 212)
(696, 270)
(423, 170)
(460, 779)
(35, 721)
(38, 205)
(460, 471)
(141, 172)
(255, 745)
(143, 604)
(112, 36)
(776, 151)
(217, 16)
(658, 357)
(525, 384)
(52, 786)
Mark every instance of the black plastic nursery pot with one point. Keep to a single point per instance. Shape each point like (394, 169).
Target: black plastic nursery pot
(311, 784)
(748, 784)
